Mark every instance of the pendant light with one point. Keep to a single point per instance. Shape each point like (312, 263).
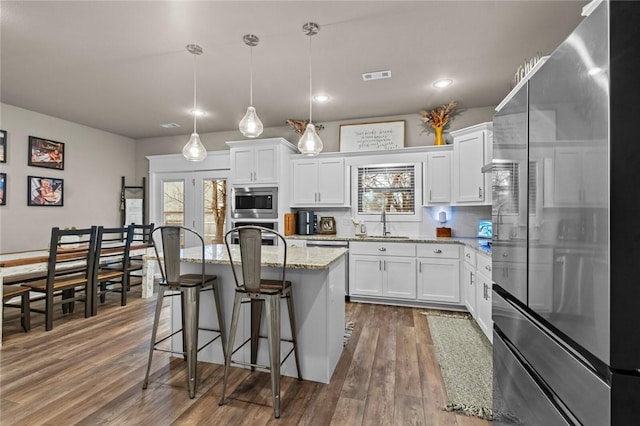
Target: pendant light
(310, 143)
(194, 150)
(250, 125)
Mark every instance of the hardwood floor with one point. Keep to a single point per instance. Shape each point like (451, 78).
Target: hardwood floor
(90, 371)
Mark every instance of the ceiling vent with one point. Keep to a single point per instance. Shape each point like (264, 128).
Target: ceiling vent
(376, 75)
(170, 125)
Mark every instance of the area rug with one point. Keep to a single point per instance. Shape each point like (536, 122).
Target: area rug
(465, 358)
(348, 329)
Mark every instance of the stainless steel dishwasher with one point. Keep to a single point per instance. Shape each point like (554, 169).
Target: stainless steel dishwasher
(334, 244)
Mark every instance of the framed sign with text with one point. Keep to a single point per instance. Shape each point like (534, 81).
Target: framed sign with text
(377, 136)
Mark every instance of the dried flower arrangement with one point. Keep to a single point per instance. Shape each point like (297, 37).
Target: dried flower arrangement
(300, 125)
(439, 117)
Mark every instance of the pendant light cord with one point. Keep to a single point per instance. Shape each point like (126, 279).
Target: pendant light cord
(250, 75)
(195, 87)
(310, 82)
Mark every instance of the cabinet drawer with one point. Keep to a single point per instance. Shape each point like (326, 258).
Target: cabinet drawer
(382, 248)
(439, 251)
(470, 256)
(483, 263)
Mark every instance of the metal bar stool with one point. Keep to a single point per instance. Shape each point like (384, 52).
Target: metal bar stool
(188, 286)
(257, 291)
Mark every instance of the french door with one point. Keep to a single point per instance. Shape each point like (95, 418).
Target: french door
(196, 200)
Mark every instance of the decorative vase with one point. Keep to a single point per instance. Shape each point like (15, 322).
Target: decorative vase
(439, 139)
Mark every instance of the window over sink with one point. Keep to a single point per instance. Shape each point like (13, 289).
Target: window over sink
(390, 187)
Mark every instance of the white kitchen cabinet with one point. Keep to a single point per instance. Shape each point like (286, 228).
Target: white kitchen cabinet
(386, 270)
(437, 178)
(259, 161)
(471, 150)
(468, 280)
(319, 182)
(483, 295)
(439, 273)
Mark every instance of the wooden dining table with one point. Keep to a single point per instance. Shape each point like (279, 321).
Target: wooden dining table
(17, 267)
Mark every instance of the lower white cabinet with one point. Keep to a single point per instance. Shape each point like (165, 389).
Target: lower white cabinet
(386, 270)
(404, 271)
(439, 273)
(483, 295)
(468, 279)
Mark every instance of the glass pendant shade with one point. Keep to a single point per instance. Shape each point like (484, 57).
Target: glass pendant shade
(194, 150)
(250, 125)
(310, 143)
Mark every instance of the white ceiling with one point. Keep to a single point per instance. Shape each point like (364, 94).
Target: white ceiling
(122, 66)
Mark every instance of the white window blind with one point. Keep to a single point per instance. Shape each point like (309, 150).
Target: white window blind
(392, 186)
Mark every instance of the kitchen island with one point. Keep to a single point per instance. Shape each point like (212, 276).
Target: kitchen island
(318, 279)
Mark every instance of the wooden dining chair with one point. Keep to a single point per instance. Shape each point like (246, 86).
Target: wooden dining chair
(141, 237)
(69, 269)
(111, 265)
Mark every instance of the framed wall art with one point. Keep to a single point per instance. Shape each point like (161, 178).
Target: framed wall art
(378, 136)
(3, 189)
(46, 153)
(45, 191)
(3, 146)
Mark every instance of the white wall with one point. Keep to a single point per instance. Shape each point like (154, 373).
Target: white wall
(94, 163)
(330, 135)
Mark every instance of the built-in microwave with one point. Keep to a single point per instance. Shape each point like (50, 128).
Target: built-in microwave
(254, 203)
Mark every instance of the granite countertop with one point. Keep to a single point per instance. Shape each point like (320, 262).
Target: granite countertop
(297, 257)
(478, 244)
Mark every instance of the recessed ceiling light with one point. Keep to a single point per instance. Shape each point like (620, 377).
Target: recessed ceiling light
(197, 112)
(321, 98)
(443, 83)
(376, 75)
(170, 125)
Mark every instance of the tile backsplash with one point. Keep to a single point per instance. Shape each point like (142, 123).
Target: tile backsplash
(463, 222)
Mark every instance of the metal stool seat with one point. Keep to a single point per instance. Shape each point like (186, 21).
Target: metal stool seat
(259, 291)
(188, 287)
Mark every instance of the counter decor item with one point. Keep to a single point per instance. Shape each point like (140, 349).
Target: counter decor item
(327, 225)
(289, 224)
(443, 231)
(436, 119)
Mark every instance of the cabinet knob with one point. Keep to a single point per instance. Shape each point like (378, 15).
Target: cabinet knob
(505, 254)
(468, 255)
(382, 249)
(437, 251)
(487, 267)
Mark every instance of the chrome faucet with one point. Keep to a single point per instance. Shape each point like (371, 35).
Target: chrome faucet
(383, 219)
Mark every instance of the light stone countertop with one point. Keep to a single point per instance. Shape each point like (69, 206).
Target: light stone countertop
(475, 243)
(297, 257)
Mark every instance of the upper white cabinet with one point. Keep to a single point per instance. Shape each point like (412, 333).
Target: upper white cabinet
(472, 150)
(319, 182)
(259, 161)
(437, 178)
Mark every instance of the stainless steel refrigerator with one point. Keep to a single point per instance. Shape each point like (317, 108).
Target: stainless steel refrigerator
(566, 213)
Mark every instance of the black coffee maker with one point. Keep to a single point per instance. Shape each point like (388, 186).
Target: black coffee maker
(307, 222)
